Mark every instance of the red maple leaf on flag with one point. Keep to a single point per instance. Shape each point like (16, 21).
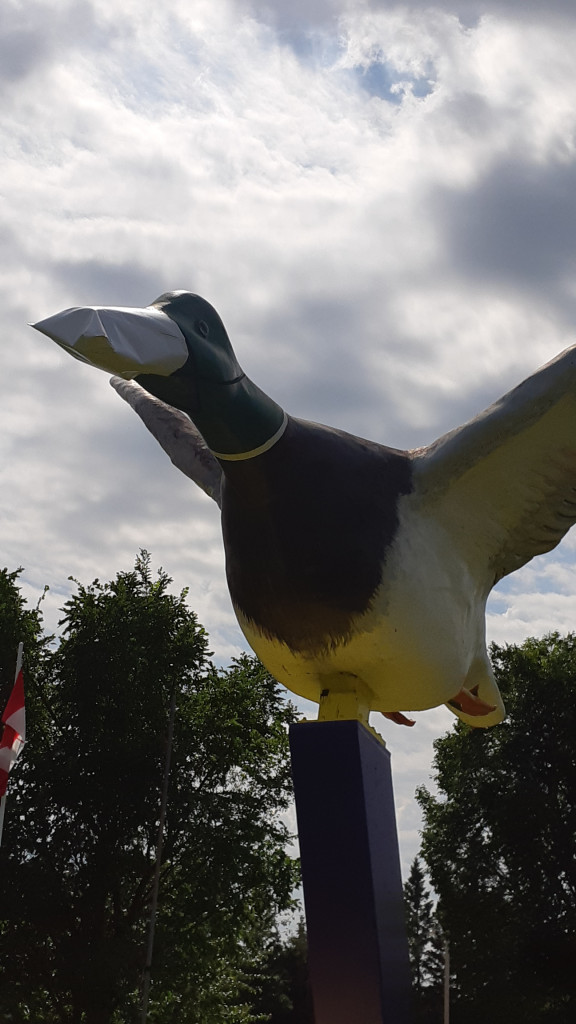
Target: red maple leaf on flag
(14, 733)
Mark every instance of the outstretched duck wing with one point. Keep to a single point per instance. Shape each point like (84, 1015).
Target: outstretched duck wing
(504, 485)
(177, 435)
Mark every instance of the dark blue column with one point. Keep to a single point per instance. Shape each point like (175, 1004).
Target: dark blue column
(357, 948)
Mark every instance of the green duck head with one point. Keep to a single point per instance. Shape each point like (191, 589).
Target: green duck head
(188, 363)
(211, 356)
(235, 417)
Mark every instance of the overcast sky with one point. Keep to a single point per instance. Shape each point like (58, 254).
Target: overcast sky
(378, 198)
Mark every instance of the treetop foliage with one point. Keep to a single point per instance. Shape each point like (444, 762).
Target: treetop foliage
(499, 842)
(78, 856)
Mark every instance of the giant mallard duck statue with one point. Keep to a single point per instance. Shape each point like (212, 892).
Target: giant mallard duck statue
(359, 574)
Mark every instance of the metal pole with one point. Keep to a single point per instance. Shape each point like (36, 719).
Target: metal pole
(147, 974)
(446, 982)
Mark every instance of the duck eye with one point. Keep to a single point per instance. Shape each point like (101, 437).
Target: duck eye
(202, 328)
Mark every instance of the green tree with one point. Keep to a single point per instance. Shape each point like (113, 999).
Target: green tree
(499, 843)
(425, 944)
(284, 994)
(78, 858)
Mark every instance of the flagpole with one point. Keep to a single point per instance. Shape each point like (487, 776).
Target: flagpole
(159, 843)
(446, 981)
(19, 659)
(3, 798)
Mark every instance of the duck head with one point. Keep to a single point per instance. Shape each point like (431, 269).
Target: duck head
(178, 349)
(211, 361)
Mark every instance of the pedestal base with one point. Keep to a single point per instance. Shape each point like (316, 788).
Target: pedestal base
(357, 948)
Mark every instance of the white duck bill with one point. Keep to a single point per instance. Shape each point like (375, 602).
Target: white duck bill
(122, 340)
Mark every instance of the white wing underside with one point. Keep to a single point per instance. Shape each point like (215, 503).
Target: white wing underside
(504, 485)
(176, 434)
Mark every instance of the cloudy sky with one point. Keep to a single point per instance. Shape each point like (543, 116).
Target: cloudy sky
(378, 198)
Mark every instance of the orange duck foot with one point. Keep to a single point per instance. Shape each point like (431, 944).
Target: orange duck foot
(470, 703)
(398, 717)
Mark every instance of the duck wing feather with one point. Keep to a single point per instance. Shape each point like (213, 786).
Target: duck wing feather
(504, 484)
(177, 435)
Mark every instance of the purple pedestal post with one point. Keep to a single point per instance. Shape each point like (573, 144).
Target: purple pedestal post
(357, 948)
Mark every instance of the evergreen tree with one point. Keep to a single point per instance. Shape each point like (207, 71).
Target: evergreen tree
(285, 996)
(425, 944)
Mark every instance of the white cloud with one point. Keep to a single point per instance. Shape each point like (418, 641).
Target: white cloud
(306, 15)
(377, 198)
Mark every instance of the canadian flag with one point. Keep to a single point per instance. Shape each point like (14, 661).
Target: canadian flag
(14, 734)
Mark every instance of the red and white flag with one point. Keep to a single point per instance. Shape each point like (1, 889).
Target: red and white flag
(14, 722)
